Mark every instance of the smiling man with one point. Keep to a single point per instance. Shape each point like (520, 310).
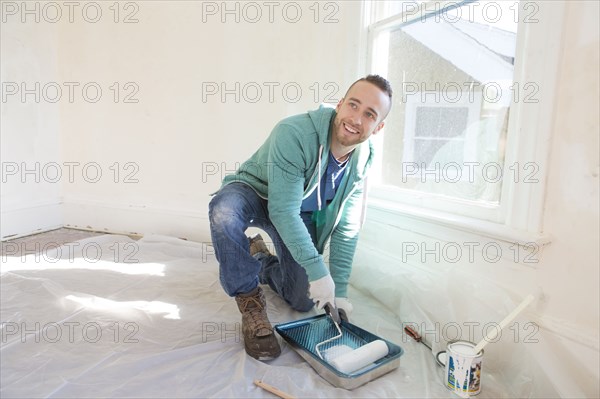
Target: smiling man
(303, 186)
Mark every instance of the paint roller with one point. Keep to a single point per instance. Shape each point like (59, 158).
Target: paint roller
(360, 357)
(355, 359)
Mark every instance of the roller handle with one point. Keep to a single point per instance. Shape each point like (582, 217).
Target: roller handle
(343, 315)
(333, 312)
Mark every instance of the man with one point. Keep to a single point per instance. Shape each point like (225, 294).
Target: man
(303, 186)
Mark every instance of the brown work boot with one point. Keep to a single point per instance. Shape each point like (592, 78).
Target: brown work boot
(257, 244)
(259, 338)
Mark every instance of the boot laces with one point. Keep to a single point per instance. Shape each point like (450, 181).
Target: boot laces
(253, 307)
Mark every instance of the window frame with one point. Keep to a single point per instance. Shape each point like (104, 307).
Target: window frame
(518, 217)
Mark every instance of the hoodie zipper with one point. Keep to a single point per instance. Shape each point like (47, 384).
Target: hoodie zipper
(318, 184)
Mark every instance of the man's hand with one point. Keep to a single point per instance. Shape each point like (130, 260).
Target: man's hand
(345, 305)
(322, 291)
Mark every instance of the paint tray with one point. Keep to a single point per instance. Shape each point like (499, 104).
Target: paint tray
(303, 335)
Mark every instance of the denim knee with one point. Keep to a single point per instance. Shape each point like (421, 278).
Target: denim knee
(221, 209)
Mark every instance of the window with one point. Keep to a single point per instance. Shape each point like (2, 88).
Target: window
(454, 143)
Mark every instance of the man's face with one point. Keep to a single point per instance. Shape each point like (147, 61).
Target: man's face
(359, 114)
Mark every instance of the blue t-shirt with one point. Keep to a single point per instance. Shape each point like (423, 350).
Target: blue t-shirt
(329, 184)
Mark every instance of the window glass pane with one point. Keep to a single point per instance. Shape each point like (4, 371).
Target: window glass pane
(440, 122)
(453, 79)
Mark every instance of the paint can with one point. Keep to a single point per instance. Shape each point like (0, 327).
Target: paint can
(463, 368)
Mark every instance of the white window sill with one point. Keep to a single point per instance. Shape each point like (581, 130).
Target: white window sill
(392, 213)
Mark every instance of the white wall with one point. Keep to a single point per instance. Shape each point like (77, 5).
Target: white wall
(173, 133)
(29, 130)
(562, 357)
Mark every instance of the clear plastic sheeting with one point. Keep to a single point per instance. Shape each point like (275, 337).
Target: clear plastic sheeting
(112, 317)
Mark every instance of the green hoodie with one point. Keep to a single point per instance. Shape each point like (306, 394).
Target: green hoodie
(286, 169)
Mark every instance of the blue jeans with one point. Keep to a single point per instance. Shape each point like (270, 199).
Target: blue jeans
(231, 211)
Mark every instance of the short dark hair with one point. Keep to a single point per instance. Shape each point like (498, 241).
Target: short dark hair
(380, 82)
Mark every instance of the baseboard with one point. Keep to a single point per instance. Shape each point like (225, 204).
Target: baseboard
(30, 218)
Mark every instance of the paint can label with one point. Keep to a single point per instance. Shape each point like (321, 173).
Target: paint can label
(463, 368)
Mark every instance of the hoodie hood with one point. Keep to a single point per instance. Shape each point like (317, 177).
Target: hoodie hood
(322, 118)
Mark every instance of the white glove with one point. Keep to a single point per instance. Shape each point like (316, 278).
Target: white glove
(322, 291)
(345, 305)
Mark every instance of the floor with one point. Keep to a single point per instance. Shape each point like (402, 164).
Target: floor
(36, 243)
(148, 318)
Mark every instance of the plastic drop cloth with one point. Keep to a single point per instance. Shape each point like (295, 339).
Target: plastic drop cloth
(114, 317)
